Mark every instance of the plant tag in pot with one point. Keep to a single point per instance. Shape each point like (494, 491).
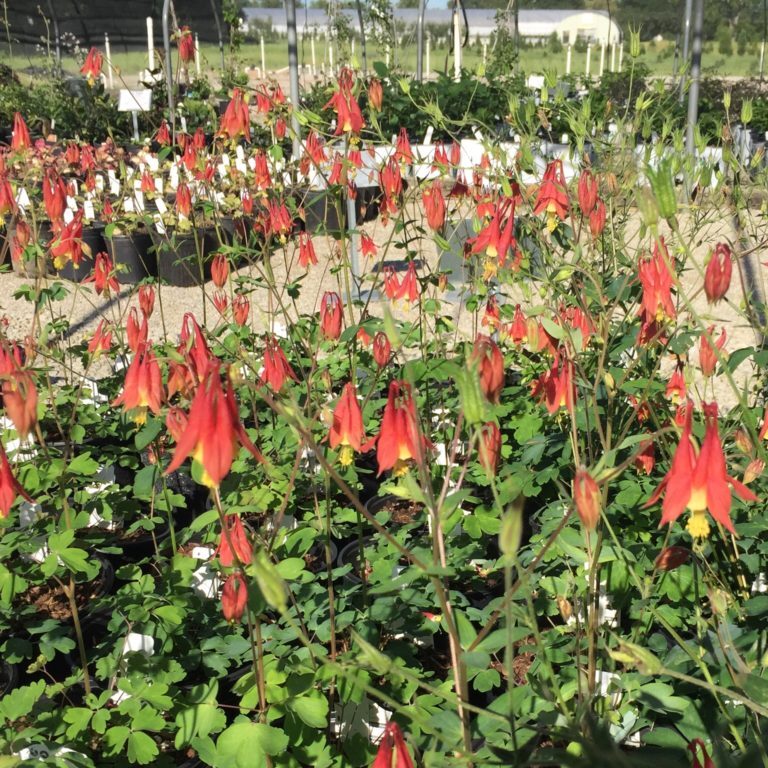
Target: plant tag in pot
(161, 206)
(159, 226)
(68, 216)
(44, 751)
(206, 582)
(153, 163)
(29, 514)
(158, 185)
(241, 166)
(223, 170)
(173, 176)
(139, 195)
(128, 205)
(135, 642)
(99, 182)
(88, 210)
(71, 203)
(22, 199)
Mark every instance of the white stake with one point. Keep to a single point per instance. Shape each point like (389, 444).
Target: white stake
(485, 53)
(108, 51)
(568, 61)
(602, 59)
(197, 54)
(613, 57)
(589, 57)
(151, 43)
(762, 55)
(456, 46)
(330, 56)
(386, 55)
(621, 56)
(429, 46)
(263, 57)
(314, 59)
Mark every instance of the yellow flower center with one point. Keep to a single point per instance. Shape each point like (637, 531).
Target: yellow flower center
(698, 501)
(698, 525)
(346, 454)
(140, 415)
(400, 468)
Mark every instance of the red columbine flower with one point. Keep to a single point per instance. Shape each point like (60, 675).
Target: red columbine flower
(707, 356)
(382, 349)
(367, 246)
(236, 120)
(717, 277)
(555, 387)
(399, 439)
(220, 270)
(54, 195)
(136, 334)
(186, 46)
(234, 597)
(489, 448)
(391, 283)
(241, 309)
(183, 200)
(487, 356)
(10, 487)
(20, 140)
(497, 238)
(101, 340)
(646, 458)
(347, 428)
(7, 201)
(19, 393)
(552, 196)
(403, 152)
(597, 219)
(147, 183)
(103, 276)
(349, 118)
(214, 430)
(262, 179)
(699, 482)
(276, 366)
(72, 155)
(234, 547)
(676, 390)
(147, 300)
(693, 748)
(331, 315)
(587, 192)
(434, 205)
(656, 280)
(68, 244)
(163, 135)
(143, 388)
(409, 287)
(92, 66)
(375, 94)
(391, 183)
(518, 329)
(586, 496)
(221, 302)
(393, 753)
(306, 250)
(491, 315)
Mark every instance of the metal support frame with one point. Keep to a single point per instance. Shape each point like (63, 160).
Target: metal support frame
(420, 41)
(169, 65)
(293, 72)
(693, 93)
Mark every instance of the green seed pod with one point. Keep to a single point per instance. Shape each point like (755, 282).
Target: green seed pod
(649, 210)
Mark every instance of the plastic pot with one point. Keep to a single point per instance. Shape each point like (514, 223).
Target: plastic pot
(133, 255)
(183, 258)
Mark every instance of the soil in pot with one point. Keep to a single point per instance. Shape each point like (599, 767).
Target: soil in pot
(399, 511)
(50, 601)
(133, 255)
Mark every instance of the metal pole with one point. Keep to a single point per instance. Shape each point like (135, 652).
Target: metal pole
(362, 37)
(693, 93)
(218, 31)
(456, 43)
(686, 41)
(169, 66)
(293, 72)
(108, 51)
(420, 41)
(765, 34)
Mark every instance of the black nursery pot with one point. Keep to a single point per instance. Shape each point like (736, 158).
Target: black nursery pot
(182, 258)
(321, 208)
(135, 254)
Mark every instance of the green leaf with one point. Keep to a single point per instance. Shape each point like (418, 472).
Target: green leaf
(78, 718)
(754, 686)
(244, 744)
(83, 465)
(312, 710)
(141, 748)
(21, 701)
(291, 567)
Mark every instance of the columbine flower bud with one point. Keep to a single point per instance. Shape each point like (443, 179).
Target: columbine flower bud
(586, 496)
(717, 277)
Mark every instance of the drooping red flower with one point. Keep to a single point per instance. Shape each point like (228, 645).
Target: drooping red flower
(409, 287)
(489, 448)
(234, 597)
(490, 365)
(375, 94)
(186, 46)
(699, 482)
(347, 429)
(136, 334)
(67, 244)
(143, 388)
(349, 118)
(183, 200)
(163, 134)
(497, 238)
(101, 341)
(19, 392)
(54, 195)
(518, 329)
(707, 354)
(241, 309)
(587, 192)
(20, 140)
(434, 205)
(147, 300)
(393, 752)
(403, 151)
(331, 315)
(491, 314)
(307, 254)
(676, 390)
(234, 548)
(103, 276)
(657, 280)
(92, 66)
(367, 246)
(220, 270)
(236, 120)
(587, 498)
(717, 276)
(214, 430)
(10, 487)
(391, 183)
(382, 349)
(556, 387)
(646, 458)
(7, 200)
(552, 197)
(400, 439)
(597, 219)
(276, 367)
(391, 283)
